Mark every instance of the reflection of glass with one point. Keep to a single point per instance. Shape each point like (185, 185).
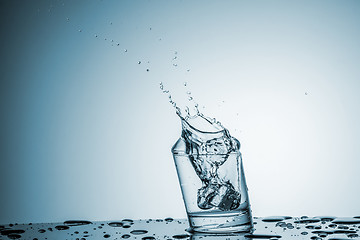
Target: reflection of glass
(234, 236)
(214, 190)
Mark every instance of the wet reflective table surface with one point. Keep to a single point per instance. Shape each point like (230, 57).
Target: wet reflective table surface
(275, 227)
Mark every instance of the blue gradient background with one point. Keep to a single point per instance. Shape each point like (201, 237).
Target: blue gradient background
(86, 132)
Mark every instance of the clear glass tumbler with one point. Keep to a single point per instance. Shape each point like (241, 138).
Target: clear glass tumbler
(220, 205)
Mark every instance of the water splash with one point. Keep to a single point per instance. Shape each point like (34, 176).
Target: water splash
(208, 145)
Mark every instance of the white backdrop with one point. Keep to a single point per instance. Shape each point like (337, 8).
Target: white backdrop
(86, 132)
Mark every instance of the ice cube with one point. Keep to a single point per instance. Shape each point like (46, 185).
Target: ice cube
(230, 198)
(206, 194)
(222, 196)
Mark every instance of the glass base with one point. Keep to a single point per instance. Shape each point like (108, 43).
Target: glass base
(221, 222)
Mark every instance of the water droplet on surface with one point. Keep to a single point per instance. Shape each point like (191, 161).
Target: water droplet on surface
(125, 50)
(62, 227)
(326, 218)
(77, 222)
(115, 224)
(280, 224)
(106, 235)
(148, 238)
(169, 219)
(42, 230)
(147, 70)
(313, 227)
(275, 218)
(181, 236)
(307, 220)
(262, 236)
(138, 232)
(139, 62)
(346, 220)
(304, 233)
(14, 236)
(12, 231)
